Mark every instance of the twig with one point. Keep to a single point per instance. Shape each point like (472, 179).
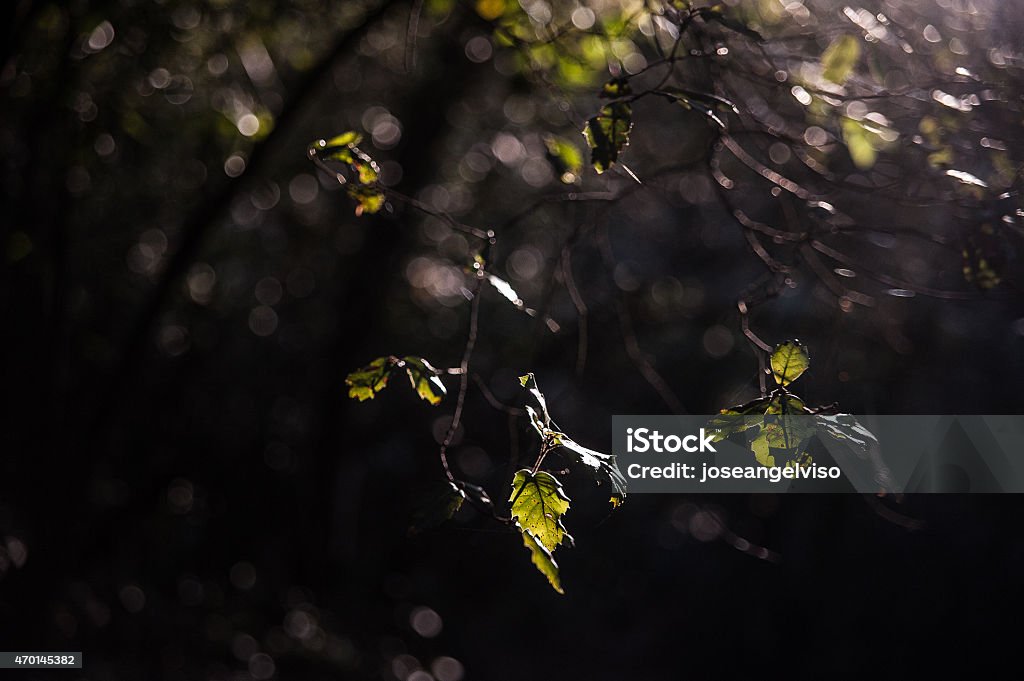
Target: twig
(474, 312)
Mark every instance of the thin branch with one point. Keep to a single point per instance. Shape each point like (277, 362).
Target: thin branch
(460, 401)
(494, 401)
(629, 339)
(581, 309)
(411, 31)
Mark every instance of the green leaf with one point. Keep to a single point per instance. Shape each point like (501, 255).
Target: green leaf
(368, 199)
(565, 158)
(839, 58)
(608, 134)
(538, 504)
(424, 379)
(345, 139)
(785, 403)
(787, 436)
(544, 561)
(366, 382)
(762, 450)
(738, 419)
(789, 361)
(363, 172)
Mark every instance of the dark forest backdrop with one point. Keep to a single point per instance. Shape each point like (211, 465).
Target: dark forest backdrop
(187, 492)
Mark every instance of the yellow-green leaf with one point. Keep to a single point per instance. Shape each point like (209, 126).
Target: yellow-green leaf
(786, 404)
(424, 379)
(761, 449)
(840, 58)
(368, 199)
(737, 419)
(361, 180)
(544, 561)
(538, 504)
(608, 134)
(366, 382)
(342, 140)
(789, 361)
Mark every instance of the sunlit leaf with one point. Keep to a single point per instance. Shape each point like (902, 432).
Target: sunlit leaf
(785, 403)
(544, 561)
(840, 58)
(789, 361)
(363, 173)
(424, 379)
(368, 199)
(761, 449)
(345, 139)
(608, 134)
(538, 504)
(738, 419)
(366, 382)
(787, 435)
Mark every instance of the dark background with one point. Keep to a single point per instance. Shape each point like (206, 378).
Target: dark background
(187, 491)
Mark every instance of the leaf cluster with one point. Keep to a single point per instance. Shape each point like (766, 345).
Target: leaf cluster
(779, 426)
(362, 182)
(364, 383)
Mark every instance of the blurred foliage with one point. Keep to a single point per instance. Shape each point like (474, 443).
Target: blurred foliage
(187, 295)
(363, 172)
